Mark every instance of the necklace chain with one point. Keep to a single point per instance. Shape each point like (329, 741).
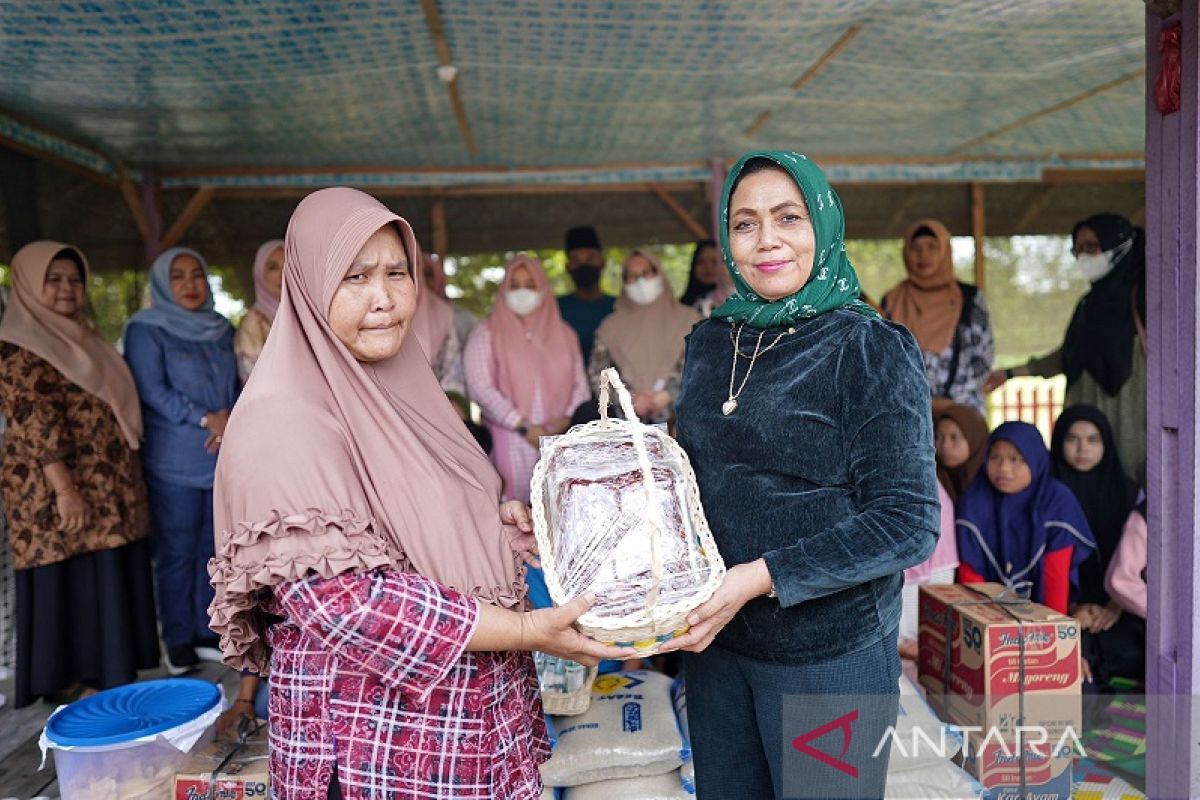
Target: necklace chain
(730, 405)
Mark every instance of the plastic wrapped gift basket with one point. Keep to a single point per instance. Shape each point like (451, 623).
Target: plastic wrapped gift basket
(616, 512)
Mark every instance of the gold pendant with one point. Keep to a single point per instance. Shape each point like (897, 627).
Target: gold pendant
(729, 406)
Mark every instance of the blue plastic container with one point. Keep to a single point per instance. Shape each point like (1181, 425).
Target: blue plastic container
(129, 742)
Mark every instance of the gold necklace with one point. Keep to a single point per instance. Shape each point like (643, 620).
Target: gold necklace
(731, 405)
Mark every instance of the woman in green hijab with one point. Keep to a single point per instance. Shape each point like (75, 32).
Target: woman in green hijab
(807, 420)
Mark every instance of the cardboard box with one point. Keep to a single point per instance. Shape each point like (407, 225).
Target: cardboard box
(996, 765)
(244, 777)
(985, 645)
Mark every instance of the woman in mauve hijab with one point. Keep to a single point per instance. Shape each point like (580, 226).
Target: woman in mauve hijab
(256, 325)
(362, 553)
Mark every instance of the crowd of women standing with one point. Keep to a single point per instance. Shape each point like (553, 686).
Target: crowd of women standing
(301, 495)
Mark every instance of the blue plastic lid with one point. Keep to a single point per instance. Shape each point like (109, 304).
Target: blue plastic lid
(131, 712)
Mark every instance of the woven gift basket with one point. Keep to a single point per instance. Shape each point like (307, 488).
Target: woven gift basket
(616, 512)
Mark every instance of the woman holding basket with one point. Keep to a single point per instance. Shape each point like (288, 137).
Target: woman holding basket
(807, 420)
(362, 551)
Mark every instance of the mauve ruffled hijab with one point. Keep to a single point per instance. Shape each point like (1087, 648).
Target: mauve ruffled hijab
(331, 465)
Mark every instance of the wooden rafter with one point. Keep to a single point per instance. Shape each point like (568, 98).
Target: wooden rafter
(51, 158)
(199, 173)
(1035, 206)
(829, 55)
(759, 121)
(433, 18)
(1054, 109)
(129, 194)
(195, 204)
(1061, 176)
(679, 211)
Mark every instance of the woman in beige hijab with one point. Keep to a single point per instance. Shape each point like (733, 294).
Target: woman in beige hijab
(356, 514)
(644, 338)
(72, 487)
(949, 319)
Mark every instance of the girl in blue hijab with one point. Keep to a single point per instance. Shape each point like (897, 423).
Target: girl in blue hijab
(1018, 525)
(180, 351)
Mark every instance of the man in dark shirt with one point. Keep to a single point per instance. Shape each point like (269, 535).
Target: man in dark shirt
(587, 306)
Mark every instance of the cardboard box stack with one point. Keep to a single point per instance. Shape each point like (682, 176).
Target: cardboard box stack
(1002, 652)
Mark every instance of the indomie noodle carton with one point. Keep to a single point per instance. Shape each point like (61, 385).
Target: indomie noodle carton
(988, 635)
(997, 765)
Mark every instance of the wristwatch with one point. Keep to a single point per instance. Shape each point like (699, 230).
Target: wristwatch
(204, 421)
(1008, 373)
(522, 430)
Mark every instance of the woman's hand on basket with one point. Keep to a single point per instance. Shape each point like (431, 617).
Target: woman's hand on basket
(742, 583)
(552, 630)
(518, 530)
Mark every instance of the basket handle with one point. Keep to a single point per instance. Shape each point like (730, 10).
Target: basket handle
(610, 377)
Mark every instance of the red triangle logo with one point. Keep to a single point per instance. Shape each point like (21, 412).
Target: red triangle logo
(842, 723)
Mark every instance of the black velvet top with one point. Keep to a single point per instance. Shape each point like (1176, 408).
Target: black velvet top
(826, 470)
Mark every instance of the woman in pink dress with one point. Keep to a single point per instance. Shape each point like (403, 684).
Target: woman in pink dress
(525, 371)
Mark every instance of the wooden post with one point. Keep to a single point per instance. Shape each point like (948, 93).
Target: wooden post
(441, 243)
(1173, 437)
(716, 185)
(152, 211)
(978, 231)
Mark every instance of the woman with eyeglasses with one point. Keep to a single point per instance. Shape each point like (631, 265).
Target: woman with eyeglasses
(1103, 353)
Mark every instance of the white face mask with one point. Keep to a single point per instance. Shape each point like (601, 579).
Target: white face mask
(523, 302)
(1095, 266)
(645, 291)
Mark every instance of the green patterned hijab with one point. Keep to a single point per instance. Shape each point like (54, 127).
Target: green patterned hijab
(833, 283)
